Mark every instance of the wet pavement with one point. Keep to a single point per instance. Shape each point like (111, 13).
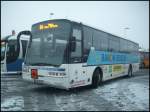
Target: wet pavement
(119, 94)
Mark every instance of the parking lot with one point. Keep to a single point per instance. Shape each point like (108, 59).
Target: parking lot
(119, 94)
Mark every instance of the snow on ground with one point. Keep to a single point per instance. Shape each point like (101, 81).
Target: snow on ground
(73, 102)
(129, 96)
(108, 92)
(14, 103)
(126, 94)
(141, 93)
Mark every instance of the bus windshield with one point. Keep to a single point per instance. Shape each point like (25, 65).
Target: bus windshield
(48, 45)
(3, 47)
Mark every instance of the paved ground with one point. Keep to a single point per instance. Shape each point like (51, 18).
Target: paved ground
(120, 94)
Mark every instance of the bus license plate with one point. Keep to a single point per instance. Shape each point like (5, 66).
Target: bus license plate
(38, 81)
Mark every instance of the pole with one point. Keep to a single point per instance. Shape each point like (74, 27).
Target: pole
(51, 14)
(125, 31)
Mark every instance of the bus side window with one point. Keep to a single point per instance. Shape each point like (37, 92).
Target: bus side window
(87, 41)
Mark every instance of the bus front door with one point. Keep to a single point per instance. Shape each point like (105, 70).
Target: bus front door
(76, 69)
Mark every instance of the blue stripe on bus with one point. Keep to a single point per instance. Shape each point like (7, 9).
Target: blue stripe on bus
(104, 57)
(15, 66)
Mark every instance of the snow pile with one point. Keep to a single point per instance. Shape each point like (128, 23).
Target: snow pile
(15, 103)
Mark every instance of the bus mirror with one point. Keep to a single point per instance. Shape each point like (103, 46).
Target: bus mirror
(25, 33)
(73, 44)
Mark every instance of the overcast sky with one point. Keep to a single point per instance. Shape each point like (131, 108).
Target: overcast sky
(111, 16)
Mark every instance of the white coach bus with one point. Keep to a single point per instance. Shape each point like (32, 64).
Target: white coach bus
(67, 54)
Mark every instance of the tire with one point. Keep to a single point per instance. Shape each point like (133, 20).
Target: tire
(130, 74)
(96, 79)
(143, 65)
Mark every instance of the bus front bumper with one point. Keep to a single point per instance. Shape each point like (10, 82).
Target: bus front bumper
(58, 82)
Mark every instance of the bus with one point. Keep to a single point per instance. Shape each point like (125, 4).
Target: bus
(144, 59)
(12, 54)
(66, 54)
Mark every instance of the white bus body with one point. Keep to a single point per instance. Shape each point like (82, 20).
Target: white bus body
(80, 68)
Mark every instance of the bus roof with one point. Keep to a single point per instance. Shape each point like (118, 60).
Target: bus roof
(9, 37)
(51, 20)
(14, 37)
(87, 26)
(100, 29)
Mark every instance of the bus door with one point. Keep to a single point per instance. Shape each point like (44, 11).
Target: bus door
(12, 54)
(75, 68)
(3, 56)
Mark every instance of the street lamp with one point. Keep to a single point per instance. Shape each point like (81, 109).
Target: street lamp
(51, 14)
(125, 31)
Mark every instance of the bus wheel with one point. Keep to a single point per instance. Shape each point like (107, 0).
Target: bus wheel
(96, 79)
(130, 71)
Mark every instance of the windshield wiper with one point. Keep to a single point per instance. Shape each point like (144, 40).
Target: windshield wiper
(43, 64)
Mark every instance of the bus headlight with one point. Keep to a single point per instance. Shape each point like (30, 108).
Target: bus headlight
(25, 69)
